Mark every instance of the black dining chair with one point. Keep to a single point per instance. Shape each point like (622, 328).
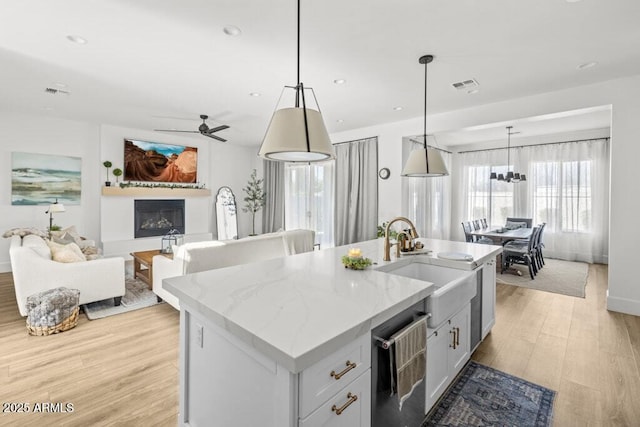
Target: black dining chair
(539, 245)
(521, 252)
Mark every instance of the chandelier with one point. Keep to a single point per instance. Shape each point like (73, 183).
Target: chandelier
(511, 176)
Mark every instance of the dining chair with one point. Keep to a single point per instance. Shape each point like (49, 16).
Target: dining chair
(476, 224)
(539, 245)
(483, 222)
(521, 252)
(466, 226)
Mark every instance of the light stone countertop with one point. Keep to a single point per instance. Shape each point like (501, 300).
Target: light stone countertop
(301, 308)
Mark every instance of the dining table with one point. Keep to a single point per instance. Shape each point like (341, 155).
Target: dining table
(501, 235)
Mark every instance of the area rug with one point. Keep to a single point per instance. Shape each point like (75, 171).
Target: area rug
(483, 396)
(137, 296)
(557, 276)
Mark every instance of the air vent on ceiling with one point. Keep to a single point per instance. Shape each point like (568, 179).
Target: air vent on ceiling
(466, 84)
(54, 91)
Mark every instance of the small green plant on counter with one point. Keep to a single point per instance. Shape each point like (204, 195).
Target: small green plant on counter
(359, 263)
(55, 228)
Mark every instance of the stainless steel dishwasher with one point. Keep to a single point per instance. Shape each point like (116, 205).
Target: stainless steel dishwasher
(385, 410)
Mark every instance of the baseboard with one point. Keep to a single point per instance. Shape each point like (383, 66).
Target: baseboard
(623, 305)
(5, 267)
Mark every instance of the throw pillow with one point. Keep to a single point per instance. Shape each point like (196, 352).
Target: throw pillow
(63, 239)
(70, 232)
(66, 253)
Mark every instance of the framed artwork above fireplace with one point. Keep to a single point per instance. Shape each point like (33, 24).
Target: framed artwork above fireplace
(156, 162)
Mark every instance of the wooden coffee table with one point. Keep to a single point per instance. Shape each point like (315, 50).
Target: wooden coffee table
(143, 265)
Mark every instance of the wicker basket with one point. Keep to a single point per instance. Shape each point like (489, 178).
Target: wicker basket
(66, 324)
(52, 311)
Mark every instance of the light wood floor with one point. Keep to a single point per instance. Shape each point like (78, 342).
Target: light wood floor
(588, 355)
(122, 370)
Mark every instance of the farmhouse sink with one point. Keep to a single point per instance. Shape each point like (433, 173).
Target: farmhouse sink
(454, 288)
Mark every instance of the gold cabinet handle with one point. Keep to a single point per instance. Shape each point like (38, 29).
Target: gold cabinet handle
(350, 366)
(457, 337)
(453, 338)
(352, 398)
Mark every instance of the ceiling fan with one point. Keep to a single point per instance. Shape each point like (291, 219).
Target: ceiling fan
(203, 129)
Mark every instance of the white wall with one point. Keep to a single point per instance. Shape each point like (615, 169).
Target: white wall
(98, 217)
(26, 133)
(624, 97)
(219, 164)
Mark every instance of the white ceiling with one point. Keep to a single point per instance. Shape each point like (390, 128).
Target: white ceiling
(160, 63)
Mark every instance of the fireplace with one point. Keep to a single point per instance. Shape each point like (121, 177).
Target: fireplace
(157, 217)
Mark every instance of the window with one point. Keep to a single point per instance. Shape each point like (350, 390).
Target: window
(309, 199)
(562, 195)
(489, 198)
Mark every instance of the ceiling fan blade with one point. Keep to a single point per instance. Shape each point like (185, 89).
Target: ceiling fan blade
(217, 128)
(214, 136)
(175, 130)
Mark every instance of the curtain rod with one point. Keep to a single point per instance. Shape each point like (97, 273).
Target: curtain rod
(356, 140)
(535, 145)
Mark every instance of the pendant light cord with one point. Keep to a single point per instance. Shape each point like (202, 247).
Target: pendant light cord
(424, 129)
(298, 60)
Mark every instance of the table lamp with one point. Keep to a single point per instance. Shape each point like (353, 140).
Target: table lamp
(54, 207)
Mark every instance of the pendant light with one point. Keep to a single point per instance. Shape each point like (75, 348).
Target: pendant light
(511, 176)
(297, 134)
(425, 162)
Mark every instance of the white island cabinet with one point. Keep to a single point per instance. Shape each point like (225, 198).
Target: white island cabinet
(287, 342)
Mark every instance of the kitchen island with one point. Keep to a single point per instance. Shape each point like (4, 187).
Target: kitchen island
(256, 339)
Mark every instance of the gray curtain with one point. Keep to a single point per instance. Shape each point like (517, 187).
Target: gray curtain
(356, 191)
(273, 214)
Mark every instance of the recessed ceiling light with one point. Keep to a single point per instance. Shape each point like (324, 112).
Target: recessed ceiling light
(340, 121)
(232, 30)
(48, 108)
(573, 1)
(60, 85)
(254, 94)
(398, 108)
(472, 91)
(77, 39)
(339, 81)
(586, 65)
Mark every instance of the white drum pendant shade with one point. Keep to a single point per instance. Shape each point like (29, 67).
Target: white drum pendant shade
(417, 164)
(286, 137)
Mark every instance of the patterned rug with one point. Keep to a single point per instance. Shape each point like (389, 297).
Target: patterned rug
(560, 277)
(137, 295)
(483, 396)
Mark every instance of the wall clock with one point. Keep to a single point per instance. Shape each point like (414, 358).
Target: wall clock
(384, 173)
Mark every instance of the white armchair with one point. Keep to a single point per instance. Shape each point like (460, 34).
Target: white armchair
(34, 271)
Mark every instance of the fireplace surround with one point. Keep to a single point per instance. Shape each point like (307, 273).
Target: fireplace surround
(158, 217)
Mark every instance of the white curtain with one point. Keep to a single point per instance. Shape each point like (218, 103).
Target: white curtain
(567, 187)
(427, 201)
(273, 215)
(309, 199)
(356, 191)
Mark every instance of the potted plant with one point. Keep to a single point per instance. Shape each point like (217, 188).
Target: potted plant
(107, 164)
(117, 172)
(255, 199)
